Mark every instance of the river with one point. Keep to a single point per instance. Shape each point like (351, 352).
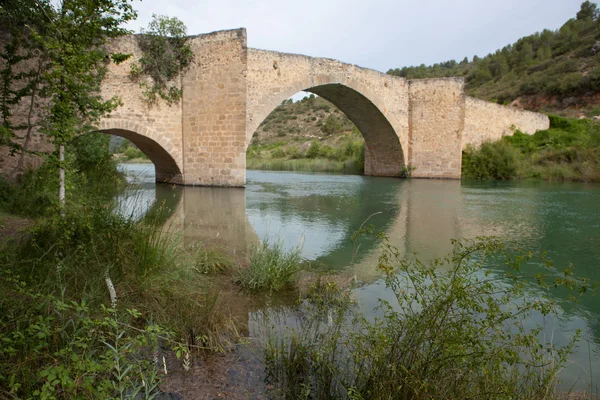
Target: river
(320, 212)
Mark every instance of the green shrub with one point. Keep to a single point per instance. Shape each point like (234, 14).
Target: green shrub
(271, 268)
(278, 153)
(52, 348)
(293, 152)
(133, 152)
(314, 150)
(493, 160)
(451, 332)
(569, 150)
(331, 125)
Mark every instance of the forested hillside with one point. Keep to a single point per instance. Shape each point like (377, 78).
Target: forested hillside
(307, 135)
(552, 71)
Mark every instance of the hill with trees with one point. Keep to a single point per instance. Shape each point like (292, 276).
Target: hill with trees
(307, 135)
(549, 71)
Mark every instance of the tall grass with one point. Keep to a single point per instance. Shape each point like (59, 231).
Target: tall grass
(345, 155)
(305, 165)
(448, 334)
(271, 268)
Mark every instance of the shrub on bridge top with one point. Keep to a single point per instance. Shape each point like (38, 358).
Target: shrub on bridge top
(165, 56)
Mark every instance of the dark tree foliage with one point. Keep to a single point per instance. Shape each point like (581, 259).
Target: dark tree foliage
(588, 10)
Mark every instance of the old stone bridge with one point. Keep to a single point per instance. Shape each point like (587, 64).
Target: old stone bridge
(230, 89)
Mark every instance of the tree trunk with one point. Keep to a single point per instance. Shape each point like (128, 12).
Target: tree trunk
(61, 179)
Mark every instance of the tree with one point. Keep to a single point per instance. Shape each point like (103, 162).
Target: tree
(166, 55)
(20, 77)
(588, 10)
(71, 35)
(525, 55)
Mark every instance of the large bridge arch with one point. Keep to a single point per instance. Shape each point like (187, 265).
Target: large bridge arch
(376, 103)
(157, 147)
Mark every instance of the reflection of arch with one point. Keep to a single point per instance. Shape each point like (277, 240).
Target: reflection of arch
(164, 154)
(383, 150)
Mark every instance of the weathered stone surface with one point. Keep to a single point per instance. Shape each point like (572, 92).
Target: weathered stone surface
(485, 121)
(230, 89)
(436, 121)
(377, 103)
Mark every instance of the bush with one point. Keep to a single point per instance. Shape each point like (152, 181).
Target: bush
(293, 152)
(133, 152)
(271, 268)
(278, 153)
(332, 125)
(314, 150)
(52, 348)
(493, 160)
(454, 333)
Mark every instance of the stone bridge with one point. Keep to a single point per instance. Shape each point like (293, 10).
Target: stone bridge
(230, 89)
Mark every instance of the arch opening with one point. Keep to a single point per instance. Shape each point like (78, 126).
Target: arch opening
(383, 153)
(165, 166)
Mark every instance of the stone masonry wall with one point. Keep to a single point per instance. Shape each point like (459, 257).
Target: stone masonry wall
(156, 129)
(485, 121)
(436, 124)
(214, 110)
(274, 77)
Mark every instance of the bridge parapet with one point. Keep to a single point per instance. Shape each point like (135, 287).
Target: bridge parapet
(485, 121)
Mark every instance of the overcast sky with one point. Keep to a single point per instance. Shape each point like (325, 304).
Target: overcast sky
(378, 34)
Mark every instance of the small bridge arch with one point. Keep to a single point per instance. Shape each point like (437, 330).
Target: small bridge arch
(157, 147)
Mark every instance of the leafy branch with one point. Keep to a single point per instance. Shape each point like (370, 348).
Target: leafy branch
(165, 56)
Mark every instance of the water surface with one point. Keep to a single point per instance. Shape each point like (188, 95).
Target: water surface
(320, 212)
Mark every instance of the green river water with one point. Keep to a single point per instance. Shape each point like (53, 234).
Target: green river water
(321, 211)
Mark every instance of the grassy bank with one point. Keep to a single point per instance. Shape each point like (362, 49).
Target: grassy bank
(342, 154)
(94, 291)
(304, 165)
(568, 151)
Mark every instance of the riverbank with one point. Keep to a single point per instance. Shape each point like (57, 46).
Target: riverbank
(341, 154)
(568, 151)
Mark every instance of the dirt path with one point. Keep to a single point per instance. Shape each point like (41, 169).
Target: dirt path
(12, 227)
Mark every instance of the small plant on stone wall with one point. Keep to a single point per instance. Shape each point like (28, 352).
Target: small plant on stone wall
(165, 56)
(407, 171)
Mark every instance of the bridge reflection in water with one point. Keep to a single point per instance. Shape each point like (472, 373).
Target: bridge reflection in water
(321, 213)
